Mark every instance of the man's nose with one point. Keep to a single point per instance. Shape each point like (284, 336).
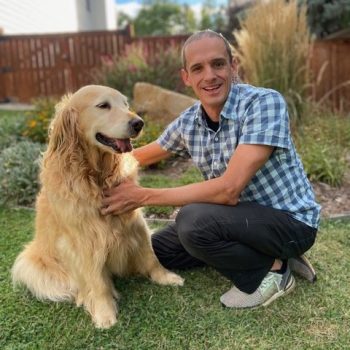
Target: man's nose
(209, 73)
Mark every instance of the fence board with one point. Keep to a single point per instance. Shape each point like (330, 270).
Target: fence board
(51, 65)
(330, 64)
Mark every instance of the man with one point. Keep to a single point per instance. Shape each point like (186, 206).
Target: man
(255, 214)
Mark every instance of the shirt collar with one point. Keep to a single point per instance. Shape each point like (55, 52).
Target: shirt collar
(229, 106)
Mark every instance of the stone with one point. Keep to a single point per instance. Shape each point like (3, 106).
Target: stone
(158, 103)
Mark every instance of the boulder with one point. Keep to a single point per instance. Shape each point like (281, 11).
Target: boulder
(159, 103)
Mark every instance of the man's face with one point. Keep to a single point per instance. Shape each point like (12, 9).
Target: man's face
(209, 72)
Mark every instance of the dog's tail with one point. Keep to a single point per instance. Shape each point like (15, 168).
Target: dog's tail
(42, 275)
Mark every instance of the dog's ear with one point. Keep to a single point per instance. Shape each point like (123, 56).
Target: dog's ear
(63, 130)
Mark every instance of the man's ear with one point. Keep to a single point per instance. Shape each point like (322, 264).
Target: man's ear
(184, 75)
(234, 66)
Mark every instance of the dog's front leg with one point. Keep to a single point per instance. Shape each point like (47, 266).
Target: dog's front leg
(147, 263)
(97, 296)
(151, 267)
(95, 290)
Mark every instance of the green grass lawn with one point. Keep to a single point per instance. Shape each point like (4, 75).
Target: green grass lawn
(156, 317)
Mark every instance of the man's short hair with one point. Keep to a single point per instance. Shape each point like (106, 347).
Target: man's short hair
(202, 34)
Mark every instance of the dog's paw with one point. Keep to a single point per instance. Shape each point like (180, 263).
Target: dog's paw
(105, 318)
(104, 321)
(103, 310)
(168, 278)
(175, 279)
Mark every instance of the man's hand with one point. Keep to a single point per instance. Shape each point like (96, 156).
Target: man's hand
(122, 198)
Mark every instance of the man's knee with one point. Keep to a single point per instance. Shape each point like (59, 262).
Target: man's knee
(194, 215)
(190, 218)
(191, 222)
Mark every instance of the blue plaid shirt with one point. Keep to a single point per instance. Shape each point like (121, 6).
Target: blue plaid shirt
(250, 116)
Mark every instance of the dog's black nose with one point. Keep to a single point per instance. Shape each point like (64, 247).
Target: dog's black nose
(136, 124)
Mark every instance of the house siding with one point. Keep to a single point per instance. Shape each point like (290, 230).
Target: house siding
(19, 17)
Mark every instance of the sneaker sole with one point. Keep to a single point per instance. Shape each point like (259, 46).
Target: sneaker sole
(298, 268)
(289, 287)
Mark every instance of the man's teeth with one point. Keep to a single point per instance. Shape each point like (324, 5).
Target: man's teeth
(211, 88)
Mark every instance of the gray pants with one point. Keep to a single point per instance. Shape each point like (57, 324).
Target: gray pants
(241, 242)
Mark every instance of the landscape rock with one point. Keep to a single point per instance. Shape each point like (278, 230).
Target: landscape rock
(159, 103)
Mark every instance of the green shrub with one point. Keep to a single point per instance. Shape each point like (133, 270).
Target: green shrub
(322, 161)
(38, 120)
(11, 128)
(19, 173)
(327, 17)
(323, 142)
(137, 64)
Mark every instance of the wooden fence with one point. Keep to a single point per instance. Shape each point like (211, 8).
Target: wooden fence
(330, 63)
(47, 65)
(50, 65)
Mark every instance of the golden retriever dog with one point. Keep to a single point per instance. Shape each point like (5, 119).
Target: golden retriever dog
(76, 250)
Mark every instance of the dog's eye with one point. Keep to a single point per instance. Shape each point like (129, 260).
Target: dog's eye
(104, 105)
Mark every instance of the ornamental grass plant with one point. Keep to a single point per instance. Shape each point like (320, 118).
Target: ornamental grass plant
(273, 48)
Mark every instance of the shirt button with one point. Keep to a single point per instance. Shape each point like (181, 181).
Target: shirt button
(216, 139)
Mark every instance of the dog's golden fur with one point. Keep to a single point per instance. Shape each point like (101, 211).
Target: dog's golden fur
(76, 250)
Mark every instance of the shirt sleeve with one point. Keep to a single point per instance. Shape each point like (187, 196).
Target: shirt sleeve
(172, 140)
(266, 121)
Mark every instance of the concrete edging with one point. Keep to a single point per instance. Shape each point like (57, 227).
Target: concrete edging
(341, 216)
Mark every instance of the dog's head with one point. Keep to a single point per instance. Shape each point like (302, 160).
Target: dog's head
(100, 115)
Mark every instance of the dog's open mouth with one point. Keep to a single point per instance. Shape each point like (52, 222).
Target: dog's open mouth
(118, 145)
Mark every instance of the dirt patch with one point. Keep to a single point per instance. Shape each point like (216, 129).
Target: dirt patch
(335, 201)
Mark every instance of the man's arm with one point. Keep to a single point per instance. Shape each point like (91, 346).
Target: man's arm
(150, 154)
(226, 189)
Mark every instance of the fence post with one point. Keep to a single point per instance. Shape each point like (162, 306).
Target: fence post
(130, 32)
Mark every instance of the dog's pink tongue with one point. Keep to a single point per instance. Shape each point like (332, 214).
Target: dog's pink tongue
(124, 145)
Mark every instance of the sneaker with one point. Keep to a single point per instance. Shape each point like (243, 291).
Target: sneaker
(273, 286)
(302, 267)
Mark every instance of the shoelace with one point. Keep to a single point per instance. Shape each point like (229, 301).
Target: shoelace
(266, 282)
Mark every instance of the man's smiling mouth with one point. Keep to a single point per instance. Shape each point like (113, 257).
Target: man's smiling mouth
(212, 88)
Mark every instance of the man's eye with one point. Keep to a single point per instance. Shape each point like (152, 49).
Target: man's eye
(104, 105)
(219, 64)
